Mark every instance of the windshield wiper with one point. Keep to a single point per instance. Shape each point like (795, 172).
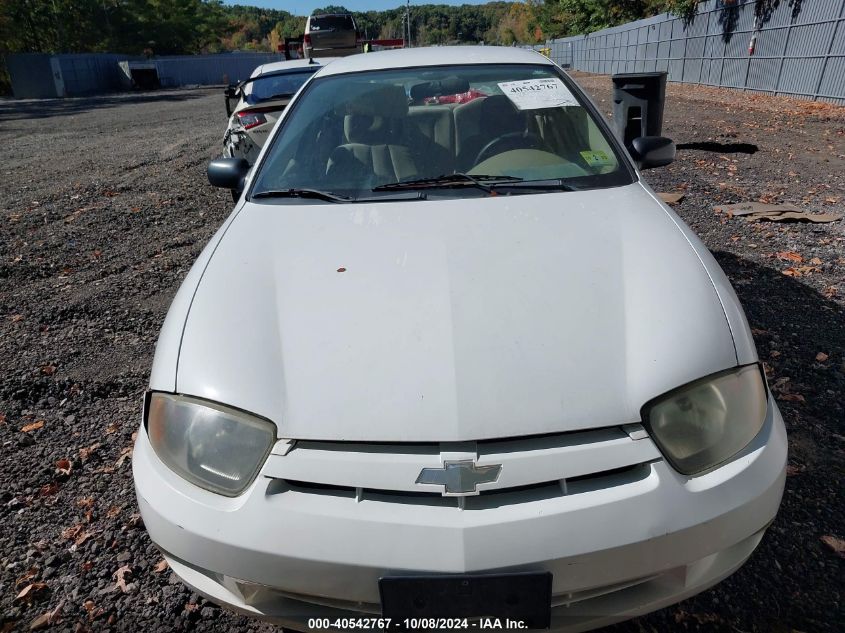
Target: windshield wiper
(552, 184)
(334, 197)
(302, 193)
(482, 181)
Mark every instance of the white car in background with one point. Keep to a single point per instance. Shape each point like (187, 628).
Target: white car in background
(260, 101)
(454, 360)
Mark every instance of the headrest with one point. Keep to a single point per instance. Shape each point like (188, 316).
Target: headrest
(499, 113)
(369, 130)
(379, 101)
(448, 86)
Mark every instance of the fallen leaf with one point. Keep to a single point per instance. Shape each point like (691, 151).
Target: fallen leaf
(160, 566)
(85, 502)
(822, 357)
(85, 453)
(70, 533)
(836, 544)
(48, 370)
(671, 197)
(32, 426)
(41, 622)
(125, 453)
(27, 593)
(93, 610)
(791, 256)
(48, 618)
(791, 397)
(63, 466)
(113, 512)
(29, 575)
(120, 576)
(48, 490)
(791, 470)
(829, 292)
(816, 261)
(781, 384)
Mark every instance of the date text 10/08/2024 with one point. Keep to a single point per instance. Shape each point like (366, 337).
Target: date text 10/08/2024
(480, 624)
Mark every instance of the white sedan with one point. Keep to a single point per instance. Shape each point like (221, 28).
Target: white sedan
(260, 101)
(450, 362)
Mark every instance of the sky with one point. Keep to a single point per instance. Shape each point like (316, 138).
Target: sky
(304, 7)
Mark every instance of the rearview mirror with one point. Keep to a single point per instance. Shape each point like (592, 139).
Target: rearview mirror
(228, 173)
(652, 151)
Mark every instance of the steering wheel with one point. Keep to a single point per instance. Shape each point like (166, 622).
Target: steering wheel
(508, 142)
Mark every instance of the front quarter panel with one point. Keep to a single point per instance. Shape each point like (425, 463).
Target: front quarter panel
(166, 359)
(746, 352)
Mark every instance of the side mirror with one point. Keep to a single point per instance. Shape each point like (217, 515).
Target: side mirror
(231, 92)
(652, 151)
(228, 173)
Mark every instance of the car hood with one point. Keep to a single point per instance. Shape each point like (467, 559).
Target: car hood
(452, 320)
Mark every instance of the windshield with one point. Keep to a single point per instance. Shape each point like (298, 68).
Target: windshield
(353, 133)
(267, 87)
(332, 23)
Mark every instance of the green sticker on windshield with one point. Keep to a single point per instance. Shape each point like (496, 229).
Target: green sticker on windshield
(596, 158)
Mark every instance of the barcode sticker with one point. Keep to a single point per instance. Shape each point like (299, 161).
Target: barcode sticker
(533, 94)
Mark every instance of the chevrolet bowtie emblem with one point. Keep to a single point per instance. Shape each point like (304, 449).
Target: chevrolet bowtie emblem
(459, 478)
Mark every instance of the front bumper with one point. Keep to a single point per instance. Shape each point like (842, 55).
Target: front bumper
(614, 553)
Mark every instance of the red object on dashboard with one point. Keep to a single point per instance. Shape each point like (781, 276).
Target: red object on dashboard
(461, 97)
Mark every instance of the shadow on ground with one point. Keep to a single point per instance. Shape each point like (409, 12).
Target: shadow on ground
(720, 148)
(11, 109)
(786, 584)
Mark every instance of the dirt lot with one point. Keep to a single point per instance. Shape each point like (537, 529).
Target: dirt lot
(105, 205)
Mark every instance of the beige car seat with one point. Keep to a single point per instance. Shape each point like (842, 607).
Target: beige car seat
(382, 146)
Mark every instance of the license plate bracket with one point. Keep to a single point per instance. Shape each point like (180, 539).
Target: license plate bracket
(519, 597)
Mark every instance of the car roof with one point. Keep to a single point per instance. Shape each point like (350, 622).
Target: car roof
(292, 64)
(434, 56)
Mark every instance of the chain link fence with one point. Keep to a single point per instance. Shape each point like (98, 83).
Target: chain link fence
(787, 47)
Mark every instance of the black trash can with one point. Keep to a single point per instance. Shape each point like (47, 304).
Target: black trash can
(638, 104)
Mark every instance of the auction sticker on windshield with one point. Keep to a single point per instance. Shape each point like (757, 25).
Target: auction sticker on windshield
(533, 94)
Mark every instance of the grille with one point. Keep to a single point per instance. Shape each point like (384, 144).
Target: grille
(532, 468)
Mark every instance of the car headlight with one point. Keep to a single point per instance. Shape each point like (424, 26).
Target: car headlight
(708, 421)
(215, 447)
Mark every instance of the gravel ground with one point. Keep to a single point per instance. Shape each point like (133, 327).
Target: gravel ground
(105, 205)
